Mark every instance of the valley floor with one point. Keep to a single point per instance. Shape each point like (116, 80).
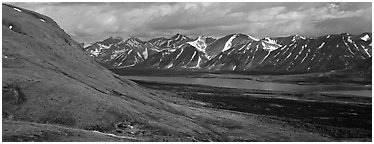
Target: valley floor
(332, 77)
(232, 115)
(336, 117)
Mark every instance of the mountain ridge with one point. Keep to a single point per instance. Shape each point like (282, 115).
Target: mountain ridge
(222, 53)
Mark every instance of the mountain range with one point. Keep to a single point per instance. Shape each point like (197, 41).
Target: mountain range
(53, 90)
(236, 52)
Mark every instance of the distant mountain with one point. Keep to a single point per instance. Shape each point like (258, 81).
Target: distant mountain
(240, 52)
(119, 53)
(172, 42)
(185, 55)
(225, 43)
(293, 54)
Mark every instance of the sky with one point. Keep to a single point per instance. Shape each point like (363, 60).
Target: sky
(94, 21)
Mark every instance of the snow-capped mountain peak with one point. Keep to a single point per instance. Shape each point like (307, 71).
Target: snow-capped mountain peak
(269, 40)
(270, 45)
(178, 36)
(295, 37)
(133, 42)
(199, 43)
(86, 45)
(251, 37)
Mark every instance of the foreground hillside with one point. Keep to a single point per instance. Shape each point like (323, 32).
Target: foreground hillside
(54, 91)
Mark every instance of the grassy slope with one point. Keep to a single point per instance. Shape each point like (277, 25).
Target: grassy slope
(62, 85)
(28, 131)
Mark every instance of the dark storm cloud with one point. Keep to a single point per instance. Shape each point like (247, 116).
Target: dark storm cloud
(88, 22)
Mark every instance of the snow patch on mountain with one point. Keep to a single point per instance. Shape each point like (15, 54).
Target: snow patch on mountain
(179, 54)
(97, 51)
(269, 40)
(119, 64)
(298, 37)
(251, 37)
(228, 44)
(233, 68)
(145, 53)
(138, 55)
(127, 65)
(179, 37)
(117, 52)
(133, 42)
(302, 37)
(199, 43)
(198, 63)
(17, 9)
(348, 47)
(365, 38)
(265, 57)
(288, 55)
(349, 39)
(323, 43)
(169, 65)
(270, 45)
(184, 37)
(367, 51)
(85, 45)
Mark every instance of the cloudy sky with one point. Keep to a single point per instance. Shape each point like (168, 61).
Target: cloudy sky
(90, 22)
